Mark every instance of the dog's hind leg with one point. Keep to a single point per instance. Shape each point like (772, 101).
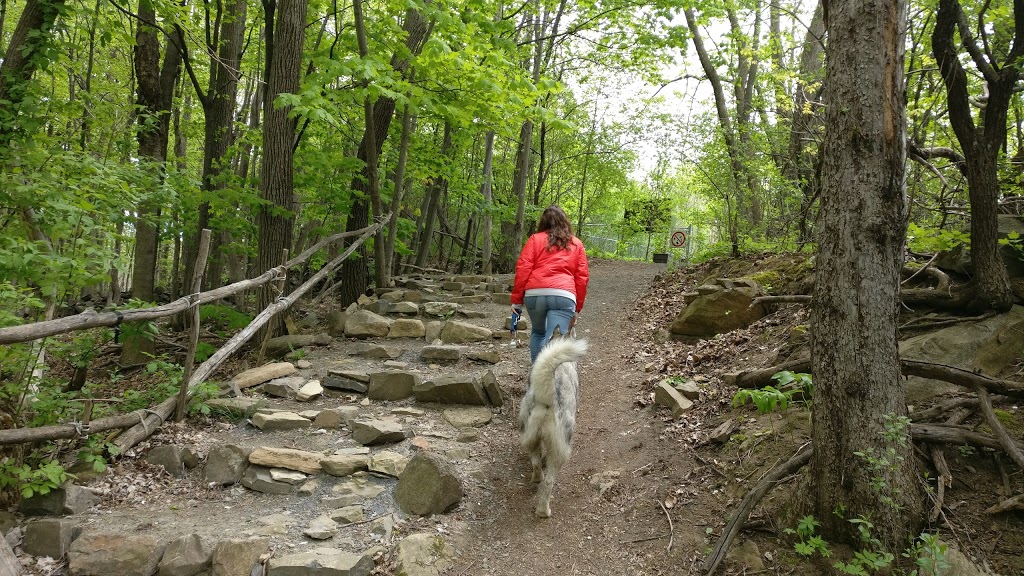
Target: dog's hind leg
(547, 485)
(538, 466)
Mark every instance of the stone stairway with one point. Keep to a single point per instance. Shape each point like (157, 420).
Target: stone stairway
(349, 456)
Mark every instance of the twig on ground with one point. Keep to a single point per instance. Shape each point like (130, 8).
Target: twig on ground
(671, 529)
(997, 427)
(648, 539)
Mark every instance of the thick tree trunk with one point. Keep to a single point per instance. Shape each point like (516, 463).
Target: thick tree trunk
(859, 396)
(155, 95)
(275, 219)
(22, 57)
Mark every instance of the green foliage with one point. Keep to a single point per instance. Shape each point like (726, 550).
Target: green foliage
(930, 240)
(29, 480)
(793, 387)
(223, 319)
(94, 453)
(197, 404)
(810, 543)
(882, 464)
(1015, 242)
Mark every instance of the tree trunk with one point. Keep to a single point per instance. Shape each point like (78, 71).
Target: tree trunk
(275, 219)
(24, 54)
(354, 273)
(155, 95)
(981, 144)
(433, 192)
(859, 396)
(485, 191)
(399, 190)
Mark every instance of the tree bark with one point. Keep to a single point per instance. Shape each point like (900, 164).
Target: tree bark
(485, 191)
(275, 219)
(859, 395)
(399, 186)
(22, 57)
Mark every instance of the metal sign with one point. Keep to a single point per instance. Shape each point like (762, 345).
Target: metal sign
(678, 239)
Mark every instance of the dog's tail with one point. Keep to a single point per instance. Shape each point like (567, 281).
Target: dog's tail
(556, 353)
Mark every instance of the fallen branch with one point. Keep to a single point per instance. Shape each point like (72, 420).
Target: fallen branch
(162, 411)
(956, 436)
(993, 422)
(948, 406)
(760, 377)
(747, 506)
(1008, 505)
(927, 324)
(787, 299)
(671, 529)
(938, 456)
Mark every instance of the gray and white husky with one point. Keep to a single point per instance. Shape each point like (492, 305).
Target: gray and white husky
(547, 414)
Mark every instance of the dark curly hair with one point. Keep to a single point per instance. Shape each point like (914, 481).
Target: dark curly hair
(556, 224)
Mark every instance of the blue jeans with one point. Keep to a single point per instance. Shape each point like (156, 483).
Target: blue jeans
(546, 312)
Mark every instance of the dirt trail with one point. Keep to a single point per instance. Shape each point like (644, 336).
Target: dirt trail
(590, 533)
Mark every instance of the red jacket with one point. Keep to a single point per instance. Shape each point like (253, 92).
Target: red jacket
(539, 267)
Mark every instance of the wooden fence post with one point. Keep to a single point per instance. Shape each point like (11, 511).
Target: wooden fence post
(193, 332)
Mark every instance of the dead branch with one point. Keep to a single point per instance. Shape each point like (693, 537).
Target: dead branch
(956, 436)
(941, 277)
(948, 406)
(162, 411)
(92, 319)
(1008, 505)
(761, 377)
(930, 323)
(993, 422)
(785, 299)
(747, 506)
(671, 529)
(938, 456)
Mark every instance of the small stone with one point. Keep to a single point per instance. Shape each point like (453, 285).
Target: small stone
(303, 364)
(369, 350)
(444, 354)
(421, 443)
(309, 391)
(346, 381)
(462, 389)
(238, 556)
(724, 431)
(283, 387)
(299, 460)
(392, 385)
(348, 514)
(259, 479)
(313, 564)
(491, 389)
(262, 374)
(688, 389)
(97, 553)
(428, 485)
(310, 415)
(377, 431)
(309, 487)
(387, 462)
(468, 435)
(329, 419)
(459, 453)
(440, 309)
(225, 464)
(666, 395)
(410, 308)
(185, 556)
(395, 365)
(366, 324)
(456, 332)
(167, 457)
(407, 411)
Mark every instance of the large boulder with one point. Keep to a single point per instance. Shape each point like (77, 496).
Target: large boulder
(50, 536)
(722, 307)
(428, 485)
(186, 556)
(991, 346)
(231, 557)
(315, 563)
(456, 332)
(106, 554)
(366, 324)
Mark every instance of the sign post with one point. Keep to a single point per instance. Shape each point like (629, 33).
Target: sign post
(680, 238)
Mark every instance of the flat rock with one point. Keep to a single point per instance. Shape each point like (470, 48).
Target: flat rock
(428, 485)
(299, 460)
(345, 380)
(407, 328)
(329, 419)
(504, 298)
(366, 324)
(348, 515)
(468, 417)
(313, 564)
(370, 432)
(462, 389)
(225, 464)
(50, 536)
(488, 356)
(410, 308)
(310, 414)
(322, 528)
(393, 296)
(237, 406)
(186, 556)
(407, 411)
(354, 490)
(476, 299)
(369, 350)
(666, 395)
(231, 557)
(279, 421)
(688, 389)
(392, 385)
(423, 554)
(724, 431)
(717, 312)
(287, 476)
(283, 387)
(388, 462)
(456, 332)
(106, 554)
(309, 391)
(440, 309)
(442, 353)
(473, 314)
(259, 479)
(344, 464)
(281, 345)
(261, 374)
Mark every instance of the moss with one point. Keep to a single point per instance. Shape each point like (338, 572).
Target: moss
(766, 279)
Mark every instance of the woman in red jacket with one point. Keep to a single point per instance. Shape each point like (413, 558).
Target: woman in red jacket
(551, 278)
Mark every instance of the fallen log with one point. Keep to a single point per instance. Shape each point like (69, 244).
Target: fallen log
(948, 406)
(956, 436)
(1005, 442)
(760, 377)
(1008, 505)
(785, 299)
(156, 417)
